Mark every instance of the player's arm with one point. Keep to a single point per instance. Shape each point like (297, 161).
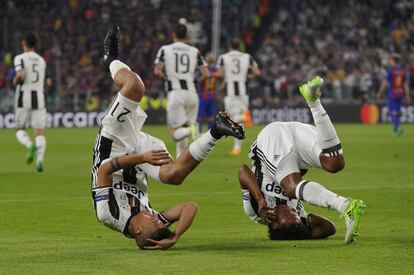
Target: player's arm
(406, 90)
(156, 157)
(202, 67)
(383, 86)
(220, 67)
(159, 69)
(248, 181)
(204, 74)
(184, 214)
(18, 67)
(48, 79)
(254, 69)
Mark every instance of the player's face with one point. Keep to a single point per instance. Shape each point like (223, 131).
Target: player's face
(149, 221)
(286, 215)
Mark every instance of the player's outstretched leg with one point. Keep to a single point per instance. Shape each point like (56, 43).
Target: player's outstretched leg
(327, 136)
(177, 171)
(24, 139)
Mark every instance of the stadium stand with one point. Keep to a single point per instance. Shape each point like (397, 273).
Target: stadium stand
(291, 40)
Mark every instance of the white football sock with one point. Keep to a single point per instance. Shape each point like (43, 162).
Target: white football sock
(41, 147)
(237, 144)
(115, 66)
(180, 146)
(316, 194)
(24, 138)
(181, 133)
(202, 146)
(327, 136)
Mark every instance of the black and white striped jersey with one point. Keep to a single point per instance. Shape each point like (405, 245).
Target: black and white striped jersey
(180, 61)
(236, 67)
(30, 94)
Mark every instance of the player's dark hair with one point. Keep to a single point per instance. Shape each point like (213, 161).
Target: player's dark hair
(235, 43)
(289, 232)
(396, 57)
(180, 31)
(30, 39)
(158, 235)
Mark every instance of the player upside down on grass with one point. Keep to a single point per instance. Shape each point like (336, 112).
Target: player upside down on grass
(274, 188)
(124, 157)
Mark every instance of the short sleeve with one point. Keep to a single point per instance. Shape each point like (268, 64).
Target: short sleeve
(220, 61)
(160, 57)
(388, 75)
(18, 63)
(252, 62)
(200, 60)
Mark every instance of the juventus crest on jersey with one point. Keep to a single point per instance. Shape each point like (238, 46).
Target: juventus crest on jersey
(180, 61)
(30, 93)
(236, 68)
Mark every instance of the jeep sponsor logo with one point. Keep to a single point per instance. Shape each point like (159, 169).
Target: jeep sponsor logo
(273, 187)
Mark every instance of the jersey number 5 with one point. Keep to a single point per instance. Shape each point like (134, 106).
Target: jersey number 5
(126, 111)
(36, 72)
(182, 60)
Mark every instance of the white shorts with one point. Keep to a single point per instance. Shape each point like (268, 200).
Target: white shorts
(236, 106)
(115, 208)
(35, 118)
(182, 108)
(283, 148)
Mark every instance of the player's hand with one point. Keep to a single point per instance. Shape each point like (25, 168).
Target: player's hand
(162, 244)
(157, 157)
(408, 100)
(266, 213)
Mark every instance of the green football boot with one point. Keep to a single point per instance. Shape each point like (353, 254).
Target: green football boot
(352, 215)
(39, 166)
(311, 91)
(30, 154)
(194, 131)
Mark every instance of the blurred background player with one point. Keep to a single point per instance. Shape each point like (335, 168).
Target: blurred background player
(396, 80)
(30, 108)
(120, 188)
(176, 63)
(236, 68)
(283, 151)
(208, 96)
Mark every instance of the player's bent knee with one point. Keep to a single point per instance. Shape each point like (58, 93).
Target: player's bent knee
(333, 164)
(289, 184)
(134, 87)
(192, 205)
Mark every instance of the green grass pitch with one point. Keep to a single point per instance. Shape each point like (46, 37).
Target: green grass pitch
(47, 224)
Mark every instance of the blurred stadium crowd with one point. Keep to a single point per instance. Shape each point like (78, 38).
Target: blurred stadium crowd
(348, 42)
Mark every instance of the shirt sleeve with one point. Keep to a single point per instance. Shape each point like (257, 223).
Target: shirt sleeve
(220, 61)
(200, 60)
(160, 57)
(18, 63)
(388, 75)
(252, 62)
